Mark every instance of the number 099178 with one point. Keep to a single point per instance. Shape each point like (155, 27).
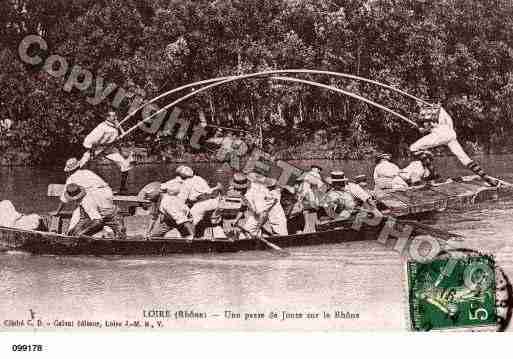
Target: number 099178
(27, 348)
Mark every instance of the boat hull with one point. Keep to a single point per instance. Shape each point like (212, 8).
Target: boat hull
(54, 244)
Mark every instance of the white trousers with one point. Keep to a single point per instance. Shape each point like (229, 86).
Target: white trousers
(438, 139)
(199, 209)
(104, 199)
(122, 162)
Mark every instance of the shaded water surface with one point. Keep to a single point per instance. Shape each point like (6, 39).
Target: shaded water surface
(361, 277)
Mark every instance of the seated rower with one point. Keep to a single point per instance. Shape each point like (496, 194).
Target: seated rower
(309, 186)
(345, 197)
(387, 175)
(93, 185)
(277, 219)
(233, 206)
(313, 177)
(94, 212)
(198, 194)
(260, 203)
(11, 218)
(172, 212)
(417, 171)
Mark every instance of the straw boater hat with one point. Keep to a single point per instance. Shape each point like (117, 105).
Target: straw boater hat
(239, 182)
(337, 177)
(74, 192)
(71, 165)
(185, 171)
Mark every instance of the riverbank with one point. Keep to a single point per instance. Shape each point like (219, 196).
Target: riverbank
(306, 151)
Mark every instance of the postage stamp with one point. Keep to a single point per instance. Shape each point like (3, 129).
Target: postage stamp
(444, 295)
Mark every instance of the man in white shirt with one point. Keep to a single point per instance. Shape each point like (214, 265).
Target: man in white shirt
(440, 128)
(310, 183)
(11, 218)
(93, 213)
(259, 201)
(277, 219)
(94, 186)
(345, 197)
(99, 139)
(417, 172)
(197, 192)
(173, 212)
(387, 175)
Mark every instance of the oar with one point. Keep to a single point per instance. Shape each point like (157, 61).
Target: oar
(270, 245)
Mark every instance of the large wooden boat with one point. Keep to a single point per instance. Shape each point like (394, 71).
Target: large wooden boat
(459, 193)
(56, 244)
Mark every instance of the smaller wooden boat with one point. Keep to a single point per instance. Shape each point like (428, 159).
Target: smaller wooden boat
(454, 193)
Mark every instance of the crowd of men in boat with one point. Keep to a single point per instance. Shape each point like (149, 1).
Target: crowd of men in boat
(253, 203)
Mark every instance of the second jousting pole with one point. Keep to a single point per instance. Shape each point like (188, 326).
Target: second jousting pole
(276, 72)
(257, 75)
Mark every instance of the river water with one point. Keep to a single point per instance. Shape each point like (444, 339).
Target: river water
(361, 278)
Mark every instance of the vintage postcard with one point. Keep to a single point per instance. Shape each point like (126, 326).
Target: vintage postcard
(238, 165)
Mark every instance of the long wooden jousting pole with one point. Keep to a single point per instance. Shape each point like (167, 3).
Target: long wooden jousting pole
(255, 75)
(275, 72)
(347, 93)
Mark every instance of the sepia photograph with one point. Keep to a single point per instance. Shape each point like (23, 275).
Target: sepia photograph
(255, 165)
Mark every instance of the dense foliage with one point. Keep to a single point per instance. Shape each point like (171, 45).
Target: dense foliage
(456, 52)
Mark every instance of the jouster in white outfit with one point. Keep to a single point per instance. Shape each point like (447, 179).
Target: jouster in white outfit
(442, 133)
(104, 134)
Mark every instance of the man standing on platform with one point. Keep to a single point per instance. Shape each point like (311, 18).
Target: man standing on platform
(99, 141)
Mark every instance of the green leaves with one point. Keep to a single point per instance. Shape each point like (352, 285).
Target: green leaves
(457, 52)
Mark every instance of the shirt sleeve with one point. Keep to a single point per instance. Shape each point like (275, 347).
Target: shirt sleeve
(93, 137)
(444, 118)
